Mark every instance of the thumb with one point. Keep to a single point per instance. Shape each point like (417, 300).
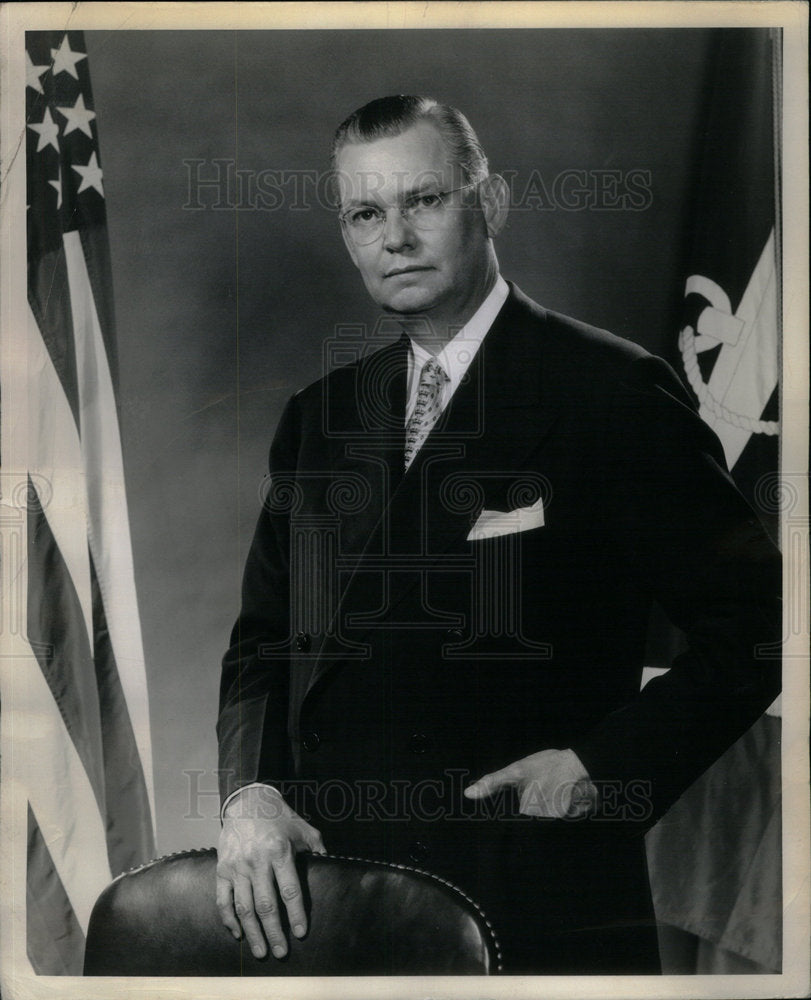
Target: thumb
(315, 842)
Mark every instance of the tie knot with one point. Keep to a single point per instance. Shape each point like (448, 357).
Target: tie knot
(433, 373)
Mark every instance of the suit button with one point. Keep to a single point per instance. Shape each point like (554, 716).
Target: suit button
(311, 741)
(302, 642)
(419, 852)
(418, 743)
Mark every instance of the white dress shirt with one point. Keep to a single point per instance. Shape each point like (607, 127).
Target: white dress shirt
(456, 356)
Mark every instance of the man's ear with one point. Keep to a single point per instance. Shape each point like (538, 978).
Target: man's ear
(494, 197)
(350, 246)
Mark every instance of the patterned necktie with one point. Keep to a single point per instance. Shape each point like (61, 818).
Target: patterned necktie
(428, 409)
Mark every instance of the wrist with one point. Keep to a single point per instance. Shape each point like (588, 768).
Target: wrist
(253, 801)
(576, 768)
(584, 798)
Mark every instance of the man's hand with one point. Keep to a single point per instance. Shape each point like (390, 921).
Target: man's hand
(551, 783)
(256, 868)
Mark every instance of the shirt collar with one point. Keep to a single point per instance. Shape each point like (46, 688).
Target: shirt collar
(456, 355)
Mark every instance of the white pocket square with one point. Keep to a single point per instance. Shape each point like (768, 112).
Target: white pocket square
(492, 523)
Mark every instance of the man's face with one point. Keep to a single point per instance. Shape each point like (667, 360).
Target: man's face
(407, 269)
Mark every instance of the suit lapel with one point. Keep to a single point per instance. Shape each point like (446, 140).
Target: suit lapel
(367, 438)
(496, 419)
(487, 436)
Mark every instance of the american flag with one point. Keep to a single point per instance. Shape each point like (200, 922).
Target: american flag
(79, 699)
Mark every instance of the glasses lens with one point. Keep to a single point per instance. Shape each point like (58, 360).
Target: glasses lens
(368, 235)
(364, 224)
(425, 211)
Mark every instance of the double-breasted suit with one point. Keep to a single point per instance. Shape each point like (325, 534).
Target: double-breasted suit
(386, 654)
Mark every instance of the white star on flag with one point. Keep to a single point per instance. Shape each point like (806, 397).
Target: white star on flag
(78, 117)
(91, 175)
(33, 73)
(48, 132)
(65, 59)
(57, 186)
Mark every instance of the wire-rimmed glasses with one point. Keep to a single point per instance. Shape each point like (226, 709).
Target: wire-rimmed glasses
(427, 210)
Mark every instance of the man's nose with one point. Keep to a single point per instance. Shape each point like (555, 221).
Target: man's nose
(397, 232)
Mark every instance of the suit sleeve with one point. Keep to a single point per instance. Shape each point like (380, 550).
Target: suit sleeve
(254, 684)
(689, 538)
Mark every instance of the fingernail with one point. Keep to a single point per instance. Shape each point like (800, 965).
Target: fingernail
(258, 951)
(237, 935)
(298, 930)
(279, 952)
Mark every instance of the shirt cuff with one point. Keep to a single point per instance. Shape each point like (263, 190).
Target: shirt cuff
(239, 791)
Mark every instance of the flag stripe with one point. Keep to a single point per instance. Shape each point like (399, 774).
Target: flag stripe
(49, 298)
(60, 642)
(55, 942)
(129, 840)
(108, 521)
(57, 786)
(88, 693)
(97, 259)
(55, 460)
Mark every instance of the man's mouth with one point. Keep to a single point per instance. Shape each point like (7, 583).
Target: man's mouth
(404, 270)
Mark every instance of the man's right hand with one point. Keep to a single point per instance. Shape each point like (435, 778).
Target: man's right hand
(256, 868)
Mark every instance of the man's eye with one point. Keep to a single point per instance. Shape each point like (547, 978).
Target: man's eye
(427, 201)
(362, 216)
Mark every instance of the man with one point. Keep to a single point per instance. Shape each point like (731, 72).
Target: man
(438, 657)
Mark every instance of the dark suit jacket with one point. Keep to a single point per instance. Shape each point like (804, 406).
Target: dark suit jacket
(381, 660)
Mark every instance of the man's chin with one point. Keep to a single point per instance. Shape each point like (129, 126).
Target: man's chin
(408, 303)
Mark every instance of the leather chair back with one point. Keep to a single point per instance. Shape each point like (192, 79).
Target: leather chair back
(366, 918)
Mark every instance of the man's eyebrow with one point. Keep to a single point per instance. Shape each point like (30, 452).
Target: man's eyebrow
(360, 203)
(428, 186)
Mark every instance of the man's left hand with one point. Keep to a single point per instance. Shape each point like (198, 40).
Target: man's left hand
(551, 783)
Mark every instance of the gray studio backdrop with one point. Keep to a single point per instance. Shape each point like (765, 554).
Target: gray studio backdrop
(222, 310)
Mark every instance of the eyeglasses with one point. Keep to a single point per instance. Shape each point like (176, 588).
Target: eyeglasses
(365, 224)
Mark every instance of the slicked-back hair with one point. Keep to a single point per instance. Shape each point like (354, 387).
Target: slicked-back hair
(391, 116)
